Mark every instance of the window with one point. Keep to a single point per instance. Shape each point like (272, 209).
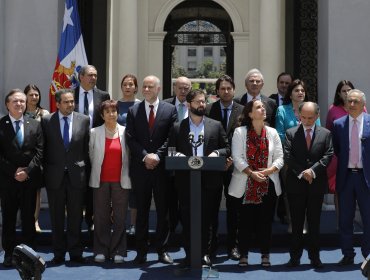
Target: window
(192, 66)
(208, 51)
(192, 52)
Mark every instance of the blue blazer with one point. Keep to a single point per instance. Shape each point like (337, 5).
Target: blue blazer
(341, 149)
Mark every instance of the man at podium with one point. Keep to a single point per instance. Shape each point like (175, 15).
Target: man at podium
(198, 135)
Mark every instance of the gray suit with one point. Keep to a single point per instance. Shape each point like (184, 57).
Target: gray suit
(65, 178)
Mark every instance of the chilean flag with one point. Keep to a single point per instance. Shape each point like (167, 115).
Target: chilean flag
(71, 55)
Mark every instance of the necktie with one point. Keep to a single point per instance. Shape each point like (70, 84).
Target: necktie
(354, 150)
(66, 133)
(308, 138)
(224, 118)
(86, 104)
(181, 112)
(18, 134)
(151, 117)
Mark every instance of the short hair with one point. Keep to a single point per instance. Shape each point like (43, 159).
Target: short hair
(59, 93)
(363, 96)
(316, 106)
(108, 104)
(83, 70)
(284, 74)
(337, 97)
(34, 87)
(251, 72)
(290, 89)
(156, 79)
(224, 78)
(193, 93)
(131, 76)
(11, 93)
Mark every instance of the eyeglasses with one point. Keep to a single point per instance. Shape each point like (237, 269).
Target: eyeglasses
(354, 101)
(199, 102)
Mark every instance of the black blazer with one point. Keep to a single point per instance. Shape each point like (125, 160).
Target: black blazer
(139, 139)
(57, 158)
(29, 155)
(299, 158)
(98, 97)
(270, 105)
(213, 111)
(214, 140)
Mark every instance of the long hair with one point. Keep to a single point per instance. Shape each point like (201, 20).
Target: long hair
(245, 119)
(338, 101)
(34, 87)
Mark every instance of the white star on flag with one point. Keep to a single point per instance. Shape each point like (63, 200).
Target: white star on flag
(67, 17)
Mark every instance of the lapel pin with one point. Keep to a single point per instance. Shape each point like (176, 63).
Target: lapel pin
(7, 122)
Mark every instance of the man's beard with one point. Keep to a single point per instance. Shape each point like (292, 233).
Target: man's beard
(201, 111)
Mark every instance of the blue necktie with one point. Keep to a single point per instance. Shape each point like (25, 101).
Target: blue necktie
(18, 134)
(66, 133)
(181, 112)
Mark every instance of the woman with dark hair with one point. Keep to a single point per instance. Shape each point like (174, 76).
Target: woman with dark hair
(287, 115)
(258, 156)
(111, 183)
(129, 89)
(35, 111)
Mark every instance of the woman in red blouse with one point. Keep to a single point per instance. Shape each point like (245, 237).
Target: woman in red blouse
(110, 180)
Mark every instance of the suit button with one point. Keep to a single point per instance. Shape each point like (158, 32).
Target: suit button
(150, 140)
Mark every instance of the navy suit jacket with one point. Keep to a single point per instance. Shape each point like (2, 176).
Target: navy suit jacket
(98, 97)
(341, 149)
(29, 155)
(141, 141)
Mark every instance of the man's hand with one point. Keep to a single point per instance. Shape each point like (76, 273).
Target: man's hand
(229, 162)
(21, 174)
(307, 175)
(151, 161)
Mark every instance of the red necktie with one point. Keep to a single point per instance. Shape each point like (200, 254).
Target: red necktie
(308, 138)
(151, 117)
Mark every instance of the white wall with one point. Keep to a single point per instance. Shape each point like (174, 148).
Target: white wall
(343, 47)
(29, 46)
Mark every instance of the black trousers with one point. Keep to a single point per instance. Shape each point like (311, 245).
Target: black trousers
(256, 223)
(18, 196)
(302, 205)
(69, 198)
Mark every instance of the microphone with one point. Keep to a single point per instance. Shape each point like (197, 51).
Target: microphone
(191, 137)
(201, 137)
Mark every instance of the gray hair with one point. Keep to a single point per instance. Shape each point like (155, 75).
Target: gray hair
(251, 72)
(316, 106)
(84, 69)
(355, 90)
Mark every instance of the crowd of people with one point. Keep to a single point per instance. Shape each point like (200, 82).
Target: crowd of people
(99, 158)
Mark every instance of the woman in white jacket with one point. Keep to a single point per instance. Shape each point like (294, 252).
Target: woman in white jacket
(110, 180)
(258, 156)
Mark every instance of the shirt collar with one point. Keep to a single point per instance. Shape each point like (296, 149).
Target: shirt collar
(155, 103)
(250, 97)
(61, 116)
(193, 124)
(82, 91)
(358, 119)
(228, 107)
(13, 119)
(307, 127)
(177, 102)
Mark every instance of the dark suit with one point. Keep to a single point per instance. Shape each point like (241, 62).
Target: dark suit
(98, 97)
(14, 194)
(213, 111)
(352, 187)
(214, 140)
(142, 142)
(66, 180)
(173, 200)
(270, 106)
(304, 198)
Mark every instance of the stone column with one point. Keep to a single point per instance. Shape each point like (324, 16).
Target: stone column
(241, 62)
(271, 51)
(122, 44)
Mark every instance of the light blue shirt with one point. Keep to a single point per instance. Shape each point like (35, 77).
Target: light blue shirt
(61, 122)
(197, 130)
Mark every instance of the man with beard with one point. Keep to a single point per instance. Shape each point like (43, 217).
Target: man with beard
(215, 144)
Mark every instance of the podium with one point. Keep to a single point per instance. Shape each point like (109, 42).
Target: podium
(195, 166)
